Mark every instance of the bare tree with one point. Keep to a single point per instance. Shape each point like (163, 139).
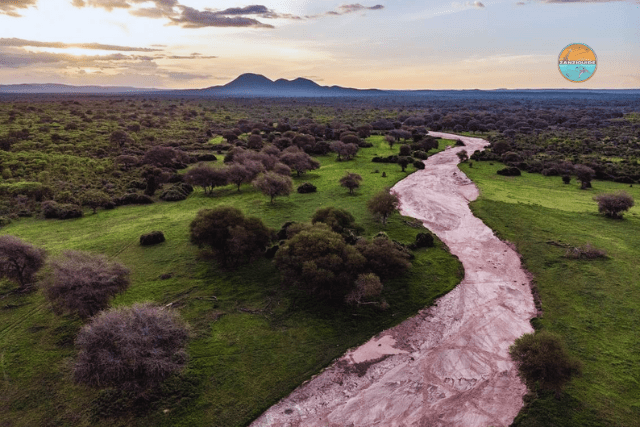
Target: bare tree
(206, 177)
(298, 160)
(613, 204)
(83, 283)
(19, 260)
(131, 348)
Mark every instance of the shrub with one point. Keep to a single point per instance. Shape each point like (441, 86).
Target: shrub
(307, 188)
(52, 209)
(585, 174)
(543, 361)
(509, 172)
(19, 260)
(384, 257)
(423, 240)
(230, 235)
(585, 252)
(133, 199)
(338, 219)
(418, 165)
(383, 204)
(131, 348)
(83, 283)
(206, 177)
(421, 155)
(566, 179)
(367, 287)
(613, 204)
(459, 143)
(152, 238)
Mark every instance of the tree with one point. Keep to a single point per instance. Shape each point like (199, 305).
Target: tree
(238, 174)
(131, 348)
(613, 204)
(404, 161)
(119, 139)
(585, 175)
(272, 184)
(95, 199)
(160, 156)
(19, 260)
(543, 360)
(351, 181)
(320, 262)
(405, 150)
(298, 160)
(83, 283)
(390, 140)
(383, 204)
(230, 235)
(206, 177)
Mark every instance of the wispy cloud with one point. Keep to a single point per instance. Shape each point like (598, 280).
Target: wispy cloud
(346, 9)
(14, 42)
(9, 7)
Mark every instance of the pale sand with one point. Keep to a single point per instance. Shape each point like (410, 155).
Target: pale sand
(449, 365)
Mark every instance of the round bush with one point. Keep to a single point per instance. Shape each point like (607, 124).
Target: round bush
(133, 199)
(152, 238)
(418, 165)
(509, 172)
(173, 195)
(424, 240)
(131, 348)
(307, 188)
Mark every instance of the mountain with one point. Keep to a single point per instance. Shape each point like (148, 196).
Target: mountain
(250, 85)
(68, 89)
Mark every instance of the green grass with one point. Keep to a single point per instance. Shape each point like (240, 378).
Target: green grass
(593, 305)
(252, 342)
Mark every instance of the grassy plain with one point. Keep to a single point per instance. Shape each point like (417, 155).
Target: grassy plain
(252, 341)
(594, 305)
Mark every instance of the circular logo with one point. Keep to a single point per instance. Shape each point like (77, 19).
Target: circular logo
(577, 62)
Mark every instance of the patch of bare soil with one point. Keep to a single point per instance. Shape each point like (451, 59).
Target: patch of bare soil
(449, 365)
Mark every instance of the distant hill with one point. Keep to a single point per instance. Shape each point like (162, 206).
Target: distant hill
(259, 85)
(69, 89)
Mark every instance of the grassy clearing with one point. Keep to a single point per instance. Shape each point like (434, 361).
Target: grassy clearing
(594, 305)
(253, 342)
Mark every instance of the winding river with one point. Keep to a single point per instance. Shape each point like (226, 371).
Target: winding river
(448, 365)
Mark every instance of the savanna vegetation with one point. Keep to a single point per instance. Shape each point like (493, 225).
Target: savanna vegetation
(119, 210)
(211, 228)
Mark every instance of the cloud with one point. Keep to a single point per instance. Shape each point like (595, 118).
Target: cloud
(14, 42)
(109, 5)
(193, 18)
(583, 1)
(476, 4)
(520, 3)
(16, 58)
(192, 56)
(8, 7)
(185, 76)
(346, 9)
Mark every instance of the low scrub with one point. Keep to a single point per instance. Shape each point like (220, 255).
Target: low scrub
(585, 252)
(52, 209)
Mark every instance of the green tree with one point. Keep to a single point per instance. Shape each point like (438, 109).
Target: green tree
(383, 204)
(230, 235)
(544, 361)
(320, 262)
(95, 199)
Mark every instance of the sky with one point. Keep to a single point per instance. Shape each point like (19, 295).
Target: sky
(394, 44)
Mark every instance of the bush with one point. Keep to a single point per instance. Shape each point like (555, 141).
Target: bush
(307, 188)
(543, 361)
(338, 219)
(385, 257)
(19, 260)
(613, 204)
(94, 199)
(367, 287)
(152, 238)
(133, 199)
(423, 240)
(566, 179)
(421, 155)
(83, 283)
(509, 172)
(585, 252)
(131, 348)
(229, 234)
(52, 209)
(271, 184)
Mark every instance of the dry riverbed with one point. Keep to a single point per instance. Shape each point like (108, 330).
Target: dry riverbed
(449, 365)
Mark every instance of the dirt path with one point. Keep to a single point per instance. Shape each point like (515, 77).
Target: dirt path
(449, 365)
